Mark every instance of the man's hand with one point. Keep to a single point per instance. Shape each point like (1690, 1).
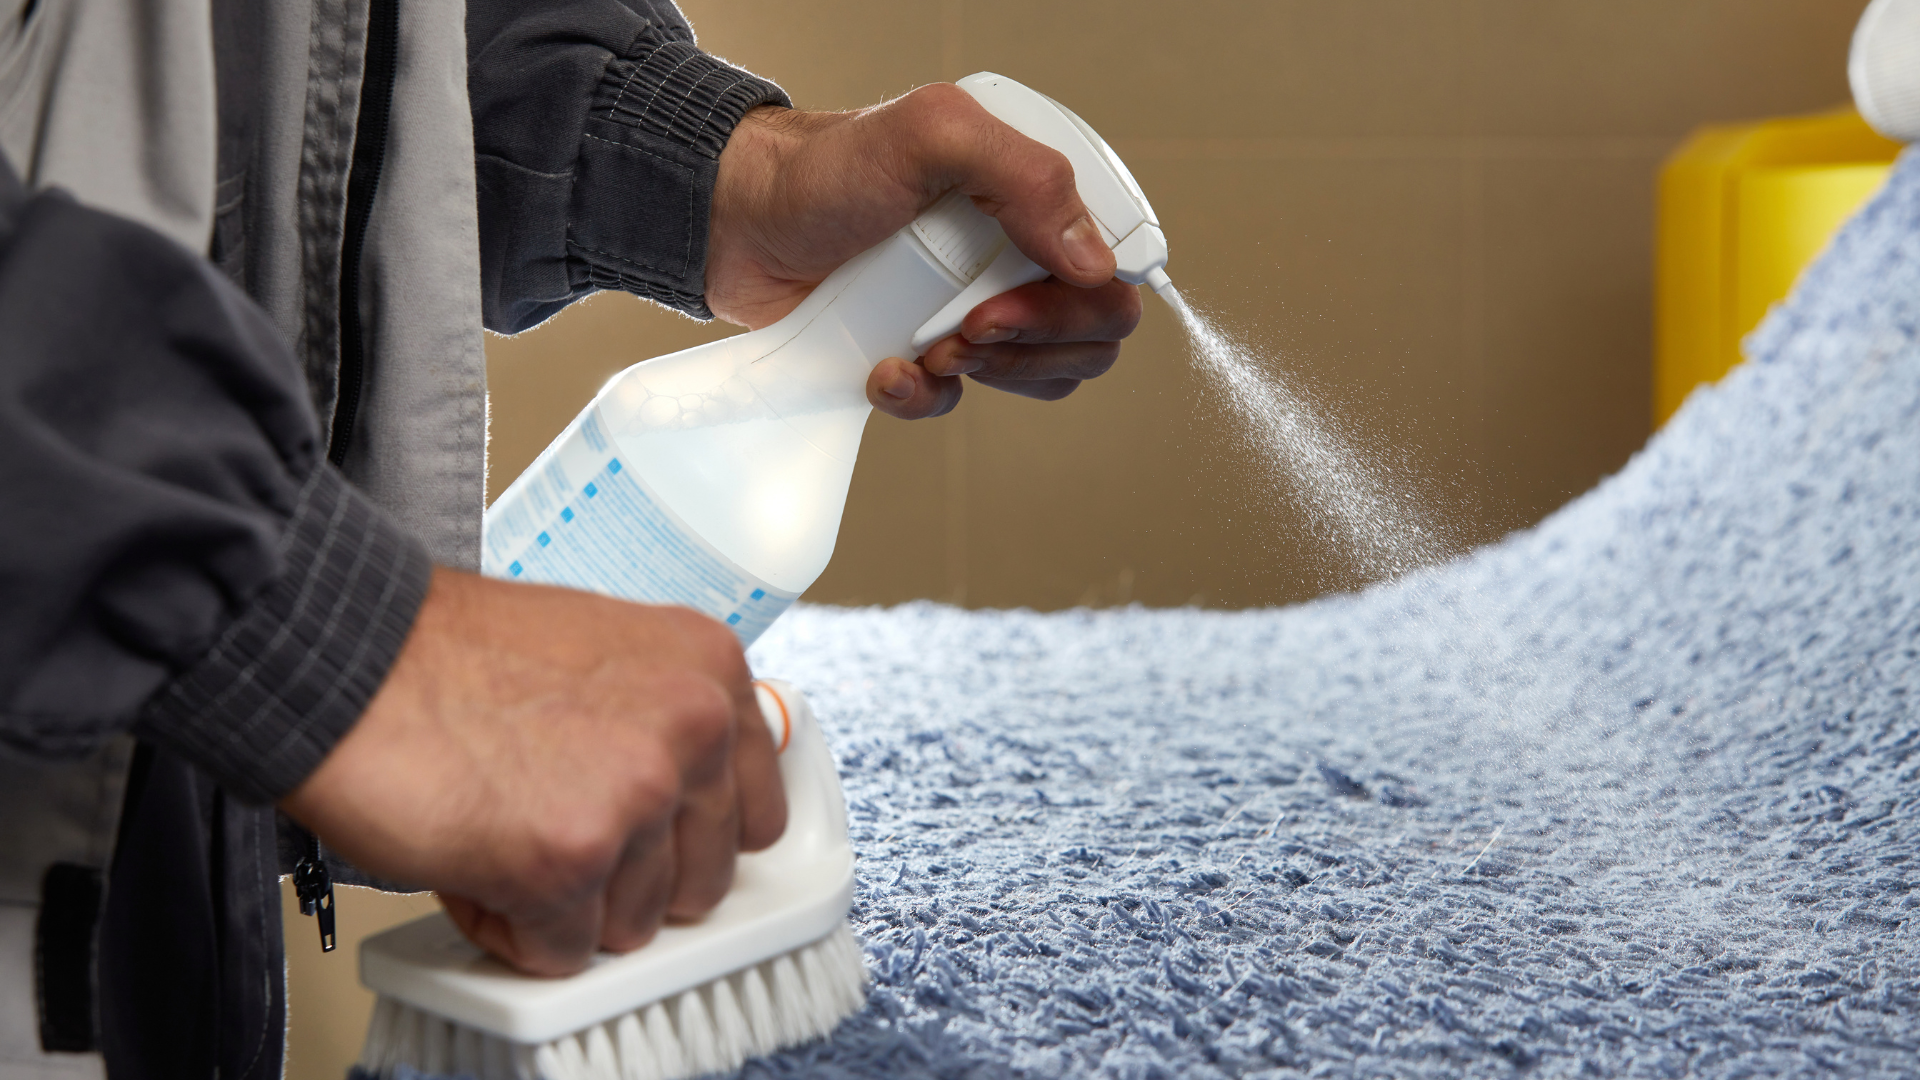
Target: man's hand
(800, 193)
(564, 769)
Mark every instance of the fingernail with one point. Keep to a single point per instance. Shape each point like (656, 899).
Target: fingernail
(1089, 253)
(991, 335)
(963, 364)
(899, 388)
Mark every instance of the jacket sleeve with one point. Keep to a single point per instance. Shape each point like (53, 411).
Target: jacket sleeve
(176, 557)
(598, 126)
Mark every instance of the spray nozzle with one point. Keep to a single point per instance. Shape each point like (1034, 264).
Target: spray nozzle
(1113, 197)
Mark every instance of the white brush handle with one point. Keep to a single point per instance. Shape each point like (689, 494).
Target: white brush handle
(791, 895)
(815, 804)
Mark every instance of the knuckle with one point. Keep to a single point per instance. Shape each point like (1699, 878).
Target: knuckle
(939, 99)
(1025, 364)
(1046, 173)
(708, 732)
(943, 116)
(576, 850)
(699, 715)
(1097, 359)
(958, 131)
(652, 793)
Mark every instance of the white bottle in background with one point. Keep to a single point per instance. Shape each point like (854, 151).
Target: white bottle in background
(714, 478)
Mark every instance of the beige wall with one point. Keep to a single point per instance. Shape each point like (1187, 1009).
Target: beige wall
(1439, 209)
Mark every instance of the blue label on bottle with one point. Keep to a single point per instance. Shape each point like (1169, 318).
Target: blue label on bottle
(620, 540)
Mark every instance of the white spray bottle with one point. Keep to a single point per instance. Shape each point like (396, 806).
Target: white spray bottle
(714, 478)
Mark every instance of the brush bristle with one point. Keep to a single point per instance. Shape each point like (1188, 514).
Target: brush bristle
(788, 1000)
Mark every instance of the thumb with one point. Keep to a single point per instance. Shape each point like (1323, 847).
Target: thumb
(1024, 184)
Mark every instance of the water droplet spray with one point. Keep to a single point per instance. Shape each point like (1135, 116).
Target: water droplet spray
(1347, 496)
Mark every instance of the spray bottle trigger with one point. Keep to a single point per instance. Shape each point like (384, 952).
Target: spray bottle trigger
(1009, 270)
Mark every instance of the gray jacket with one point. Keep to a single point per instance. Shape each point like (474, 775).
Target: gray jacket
(241, 414)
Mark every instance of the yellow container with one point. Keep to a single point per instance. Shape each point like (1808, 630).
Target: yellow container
(1742, 209)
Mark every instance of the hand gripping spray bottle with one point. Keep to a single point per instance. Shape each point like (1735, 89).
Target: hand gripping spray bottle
(714, 478)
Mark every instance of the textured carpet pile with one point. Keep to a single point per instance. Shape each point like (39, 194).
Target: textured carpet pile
(1634, 793)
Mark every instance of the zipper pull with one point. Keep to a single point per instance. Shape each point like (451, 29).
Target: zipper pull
(314, 886)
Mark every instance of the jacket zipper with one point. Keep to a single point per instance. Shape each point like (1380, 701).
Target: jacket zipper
(314, 886)
(363, 182)
(311, 881)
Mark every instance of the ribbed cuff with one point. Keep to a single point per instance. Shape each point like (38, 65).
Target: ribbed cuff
(292, 674)
(649, 156)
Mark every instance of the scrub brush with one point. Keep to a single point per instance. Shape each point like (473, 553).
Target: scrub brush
(774, 965)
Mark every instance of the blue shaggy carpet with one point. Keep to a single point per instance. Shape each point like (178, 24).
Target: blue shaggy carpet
(1633, 793)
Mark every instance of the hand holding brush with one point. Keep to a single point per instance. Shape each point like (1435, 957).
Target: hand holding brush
(565, 770)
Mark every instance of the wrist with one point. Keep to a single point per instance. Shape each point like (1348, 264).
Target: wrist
(752, 190)
(747, 165)
(640, 198)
